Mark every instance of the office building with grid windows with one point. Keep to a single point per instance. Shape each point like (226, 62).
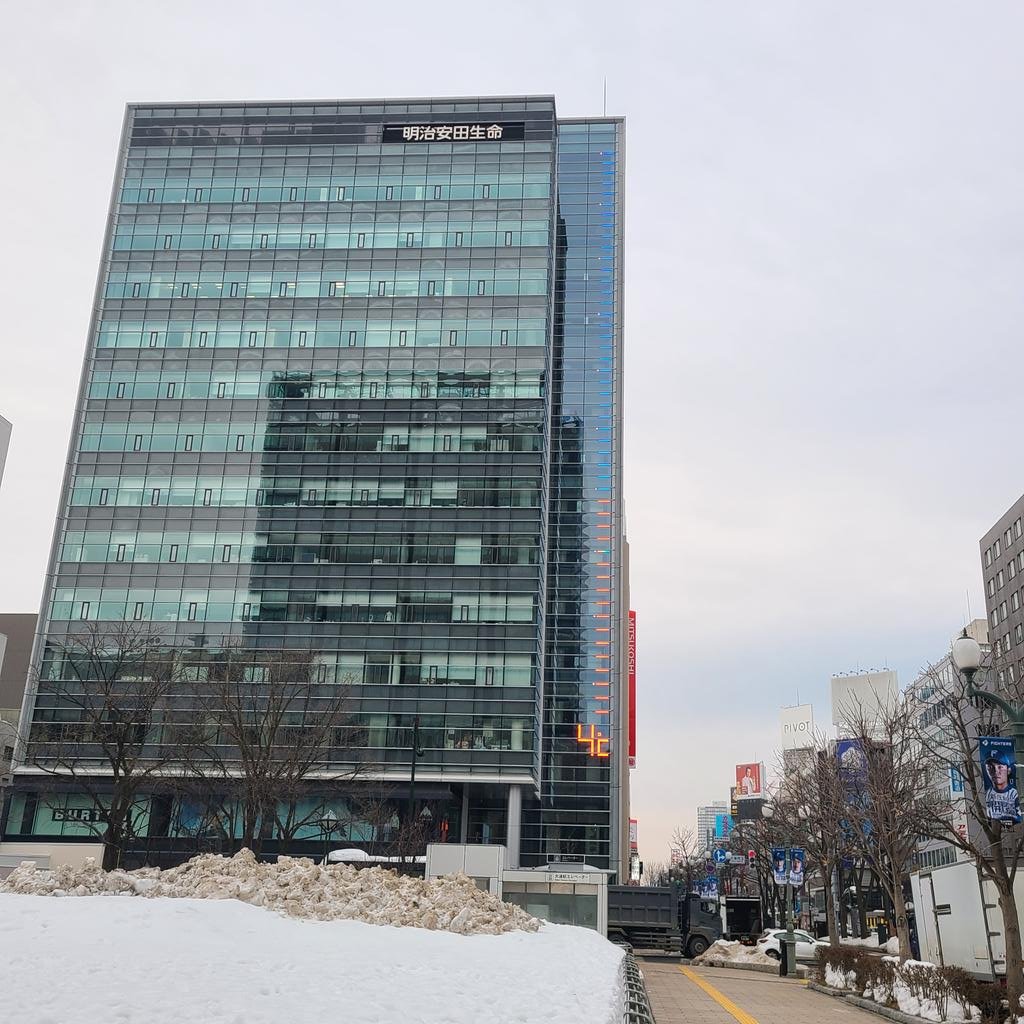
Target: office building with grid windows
(1002, 566)
(353, 387)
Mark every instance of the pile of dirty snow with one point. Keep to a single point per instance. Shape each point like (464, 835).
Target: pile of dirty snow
(295, 887)
(724, 951)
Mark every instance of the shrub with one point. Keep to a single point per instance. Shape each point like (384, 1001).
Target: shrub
(986, 996)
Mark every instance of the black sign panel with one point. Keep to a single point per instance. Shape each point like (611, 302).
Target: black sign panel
(467, 131)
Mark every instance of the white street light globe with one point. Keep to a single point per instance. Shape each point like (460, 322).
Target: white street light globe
(966, 654)
(767, 810)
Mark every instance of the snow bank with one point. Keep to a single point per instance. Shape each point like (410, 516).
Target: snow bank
(734, 952)
(296, 888)
(165, 961)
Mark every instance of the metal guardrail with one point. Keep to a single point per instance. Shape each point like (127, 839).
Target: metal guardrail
(636, 1007)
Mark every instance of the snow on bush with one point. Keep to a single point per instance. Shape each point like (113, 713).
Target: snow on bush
(912, 986)
(295, 887)
(734, 952)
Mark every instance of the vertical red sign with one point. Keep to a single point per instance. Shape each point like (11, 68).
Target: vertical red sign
(632, 688)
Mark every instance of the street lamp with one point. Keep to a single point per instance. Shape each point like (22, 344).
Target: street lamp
(328, 823)
(967, 659)
(417, 752)
(787, 964)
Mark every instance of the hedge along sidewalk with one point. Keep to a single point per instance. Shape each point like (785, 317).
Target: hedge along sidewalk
(868, 1004)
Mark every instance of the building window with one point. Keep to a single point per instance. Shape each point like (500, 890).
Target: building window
(446, 443)
(215, 244)
(453, 337)
(137, 445)
(403, 337)
(240, 443)
(103, 496)
(136, 290)
(481, 287)
(458, 238)
(245, 195)
(121, 547)
(1015, 601)
(351, 338)
(138, 610)
(197, 196)
(167, 241)
(202, 339)
(437, 191)
(382, 288)
(233, 290)
(389, 192)
(311, 241)
(184, 289)
(154, 337)
(988, 556)
(188, 442)
(170, 390)
(208, 496)
(293, 194)
(154, 496)
(999, 580)
(246, 611)
(225, 553)
(302, 339)
(253, 335)
(996, 550)
(373, 389)
(361, 240)
(84, 611)
(508, 237)
(431, 287)
(410, 239)
(489, 675)
(193, 607)
(172, 554)
(485, 191)
(264, 241)
(120, 390)
(151, 196)
(503, 338)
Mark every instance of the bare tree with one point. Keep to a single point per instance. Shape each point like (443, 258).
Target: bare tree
(687, 857)
(813, 785)
(947, 724)
(106, 697)
(271, 746)
(884, 776)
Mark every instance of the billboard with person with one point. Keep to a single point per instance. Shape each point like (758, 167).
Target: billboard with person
(796, 867)
(748, 781)
(779, 865)
(999, 772)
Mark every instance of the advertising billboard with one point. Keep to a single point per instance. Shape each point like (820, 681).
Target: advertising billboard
(796, 867)
(748, 781)
(797, 727)
(633, 833)
(723, 826)
(861, 696)
(999, 771)
(631, 653)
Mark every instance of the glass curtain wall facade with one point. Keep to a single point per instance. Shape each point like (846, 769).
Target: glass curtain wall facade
(316, 413)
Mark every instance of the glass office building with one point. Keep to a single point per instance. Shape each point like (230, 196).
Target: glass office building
(353, 386)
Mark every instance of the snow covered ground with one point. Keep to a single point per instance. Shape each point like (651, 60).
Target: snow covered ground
(723, 950)
(125, 960)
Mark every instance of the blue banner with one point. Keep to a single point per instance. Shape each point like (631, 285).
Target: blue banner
(779, 865)
(796, 867)
(999, 771)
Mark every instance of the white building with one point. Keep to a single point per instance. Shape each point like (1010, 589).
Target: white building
(706, 821)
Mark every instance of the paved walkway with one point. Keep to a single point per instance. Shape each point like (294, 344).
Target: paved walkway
(708, 995)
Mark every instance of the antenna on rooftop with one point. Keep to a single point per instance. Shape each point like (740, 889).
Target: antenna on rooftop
(604, 99)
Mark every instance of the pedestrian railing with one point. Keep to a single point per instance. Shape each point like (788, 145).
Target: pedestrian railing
(636, 1007)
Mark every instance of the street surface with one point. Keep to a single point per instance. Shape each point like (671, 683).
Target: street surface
(709, 995)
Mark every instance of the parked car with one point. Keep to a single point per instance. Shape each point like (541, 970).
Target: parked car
(770, 943)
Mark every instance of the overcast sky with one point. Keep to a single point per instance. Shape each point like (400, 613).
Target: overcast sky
(823, 302)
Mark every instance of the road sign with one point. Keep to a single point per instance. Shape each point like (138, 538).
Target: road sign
(719, 856)
(738, 859)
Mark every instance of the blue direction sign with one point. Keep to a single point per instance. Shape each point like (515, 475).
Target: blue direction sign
(719, 856)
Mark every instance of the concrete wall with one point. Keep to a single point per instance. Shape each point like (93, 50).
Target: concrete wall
(47, 855)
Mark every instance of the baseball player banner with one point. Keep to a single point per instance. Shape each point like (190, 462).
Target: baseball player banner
(779, 865)
(999, 772)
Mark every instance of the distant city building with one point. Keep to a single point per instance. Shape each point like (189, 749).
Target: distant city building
(706, 817)
(16, 635)
(926, 698)
(1002, 567)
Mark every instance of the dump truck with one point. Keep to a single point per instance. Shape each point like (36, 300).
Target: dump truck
(658, 917)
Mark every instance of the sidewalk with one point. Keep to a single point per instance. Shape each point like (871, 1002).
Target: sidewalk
(702, 995)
